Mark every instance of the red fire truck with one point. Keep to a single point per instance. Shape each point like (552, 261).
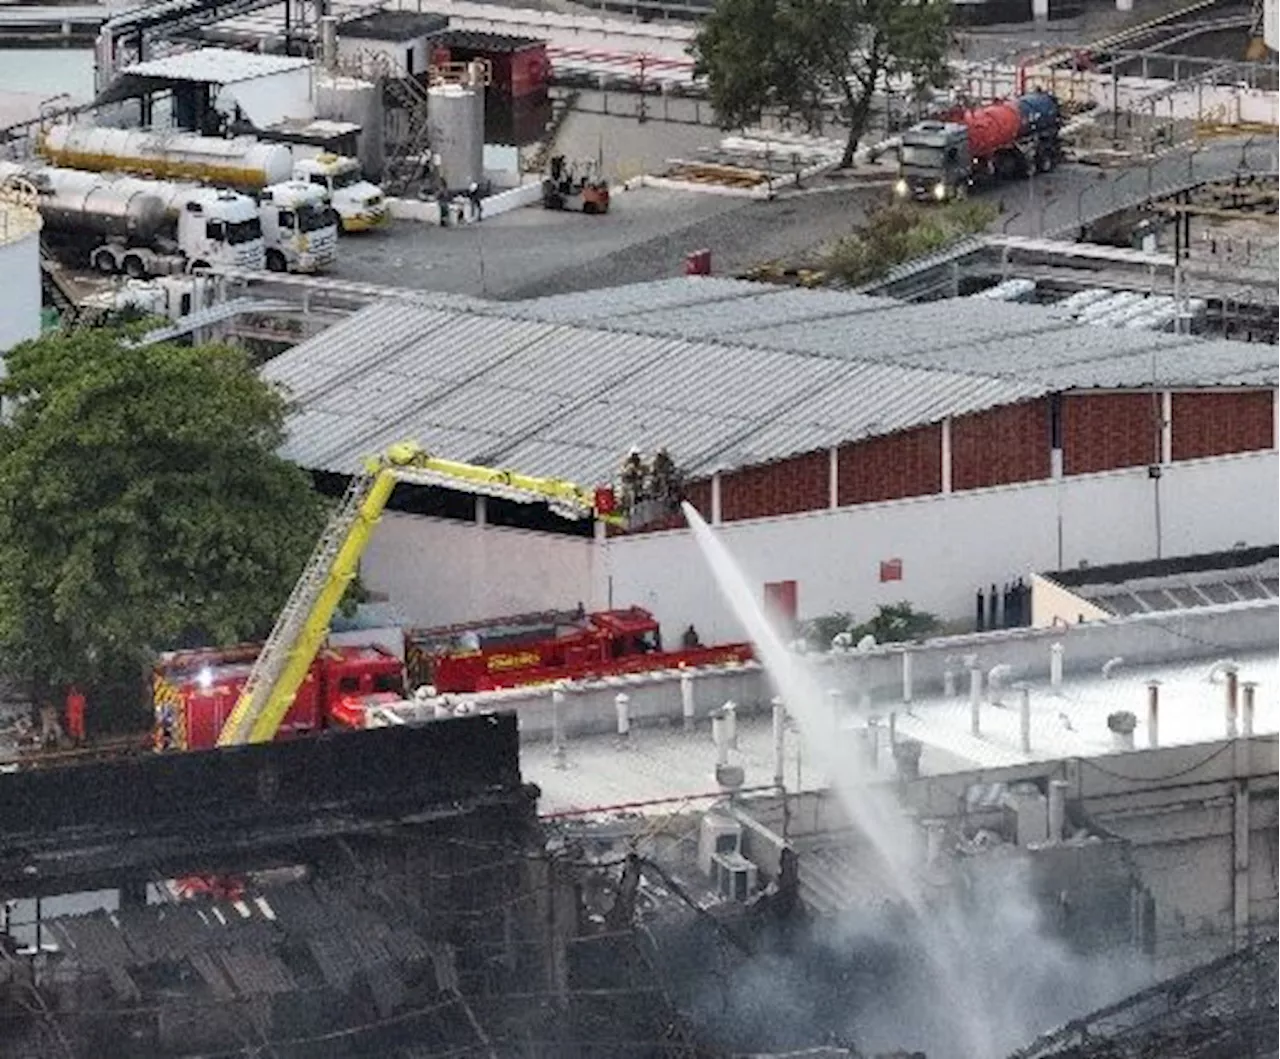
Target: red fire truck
(193, 692)
(549, 646)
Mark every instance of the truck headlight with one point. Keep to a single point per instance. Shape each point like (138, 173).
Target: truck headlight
(900, 188)
(939, 191)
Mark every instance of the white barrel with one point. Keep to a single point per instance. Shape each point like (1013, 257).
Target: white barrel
(241, 162)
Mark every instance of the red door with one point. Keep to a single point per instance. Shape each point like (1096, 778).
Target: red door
(780, 604)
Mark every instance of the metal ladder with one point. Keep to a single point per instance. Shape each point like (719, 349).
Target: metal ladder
(280, 644)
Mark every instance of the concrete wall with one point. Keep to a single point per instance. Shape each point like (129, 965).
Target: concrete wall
(437, 571)
(952, 544)
(19, 276)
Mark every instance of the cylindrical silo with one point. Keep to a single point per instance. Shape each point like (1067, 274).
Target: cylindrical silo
(359, 102)
(19, 266)
(455, 123)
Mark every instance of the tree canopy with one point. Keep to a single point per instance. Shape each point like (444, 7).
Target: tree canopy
(799, 55)
(142, 505)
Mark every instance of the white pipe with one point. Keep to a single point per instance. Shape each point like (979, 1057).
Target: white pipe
(622, 703)
(1250, 688)
(906, 676)
(995, 675)
(1057, 809)
(1055, 665)
(975, 700)
(873, 741)
(948, 681)
(1153, 713)
(1024, 718)
(779, 740)
(1233, 702)
(731, 723)
(718, 737)
(1111, 665)
(686, 699)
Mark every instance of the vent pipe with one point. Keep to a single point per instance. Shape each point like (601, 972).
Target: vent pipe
(1233, 702)
(948, 678)
(996, 676)
(720, 739)
(731, 724)
(1055, 665)
(1024, 717)
(1057, 809)
(622, 703)
(906, 676)
(975, 699)
(779, 739)
(1153, 713)
(686, 699)
(1110, 666)
(328, 42)
(1250, 688)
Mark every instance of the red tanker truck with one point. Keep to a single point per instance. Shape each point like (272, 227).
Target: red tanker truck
(940, 159)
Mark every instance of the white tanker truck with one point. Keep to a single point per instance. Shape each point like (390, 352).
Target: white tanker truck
(122, 225)
(242, 163)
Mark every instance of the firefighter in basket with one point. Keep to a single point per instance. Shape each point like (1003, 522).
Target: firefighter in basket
(632, 479)
(663, 484)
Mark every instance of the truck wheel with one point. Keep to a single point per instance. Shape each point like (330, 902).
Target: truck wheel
(104, 261)
(276, 261)
(134, 268)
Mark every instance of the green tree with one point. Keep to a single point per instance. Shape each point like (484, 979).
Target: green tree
(796, 55)
(142, 506)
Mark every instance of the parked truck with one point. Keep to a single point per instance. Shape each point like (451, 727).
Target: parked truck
(298, 229)
(941, 159)
(243, 163)
(121, 225)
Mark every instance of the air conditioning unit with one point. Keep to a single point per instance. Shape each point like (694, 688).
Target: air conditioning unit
(718, 834)
(734, 876)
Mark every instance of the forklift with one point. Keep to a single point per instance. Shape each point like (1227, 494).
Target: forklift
(575, 186)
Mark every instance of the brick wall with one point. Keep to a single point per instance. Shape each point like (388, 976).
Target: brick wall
(801, 483)
(1107, 431)
(1217, 424)
(1001, 446)
(888, 468)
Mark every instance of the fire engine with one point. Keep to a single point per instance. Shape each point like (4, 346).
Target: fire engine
(546, 647)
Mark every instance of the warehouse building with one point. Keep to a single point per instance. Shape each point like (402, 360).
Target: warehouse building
(854, 450)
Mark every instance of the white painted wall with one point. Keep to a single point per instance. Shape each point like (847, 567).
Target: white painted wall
(271, 99)
(392, 51)
(19, 276)
(439, 571)
(950, 545)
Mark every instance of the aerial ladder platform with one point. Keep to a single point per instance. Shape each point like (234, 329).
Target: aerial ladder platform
(303, 625)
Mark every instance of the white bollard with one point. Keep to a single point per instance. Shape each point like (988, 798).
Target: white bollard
(975, 700)
(731, 723)
(622, 703)
(1250, 689)
(1153, 713)
(686, 699)
(1024, 718)
(906, 676)
(779, 740)
(1055, 665)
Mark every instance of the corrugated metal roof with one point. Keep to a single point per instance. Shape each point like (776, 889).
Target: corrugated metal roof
(219, 66)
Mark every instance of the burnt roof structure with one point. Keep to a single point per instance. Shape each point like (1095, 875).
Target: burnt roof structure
(394, 26)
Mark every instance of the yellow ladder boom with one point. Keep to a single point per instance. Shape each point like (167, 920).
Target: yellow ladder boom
(303, 624)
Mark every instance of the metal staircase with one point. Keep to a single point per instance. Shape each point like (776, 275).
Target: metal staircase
(408, 157)
(284, 636)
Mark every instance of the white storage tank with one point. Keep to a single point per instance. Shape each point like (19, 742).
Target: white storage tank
(241, 163)
(455, 124)
(19, 267)
(359, 102)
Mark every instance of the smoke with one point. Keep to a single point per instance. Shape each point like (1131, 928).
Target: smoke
(962, 967)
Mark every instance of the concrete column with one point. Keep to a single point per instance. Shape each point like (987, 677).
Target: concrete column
(906, 675)
(1240, 843)
(1166, 427)
(833, 478)
(975, 700)
(715, 499)
(622, 704)
(1250, 690)
(1153, 713)
(1057, 809)
(779, 740)
(1055, 665)
(1024, 718)
(686, 700)
(946, 455)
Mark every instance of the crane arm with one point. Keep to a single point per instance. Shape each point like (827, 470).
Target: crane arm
(303, 624)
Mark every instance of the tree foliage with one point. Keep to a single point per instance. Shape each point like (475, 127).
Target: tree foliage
(891, 623)
(142, 506)
(799, 55)
(898, 233)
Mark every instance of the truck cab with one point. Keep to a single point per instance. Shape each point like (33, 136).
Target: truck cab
(934, 162)
(359, 204)
(298, 227)
(220, 228)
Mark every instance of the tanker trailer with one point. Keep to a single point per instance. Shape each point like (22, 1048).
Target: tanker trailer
(124, 225)
(1012, 138)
